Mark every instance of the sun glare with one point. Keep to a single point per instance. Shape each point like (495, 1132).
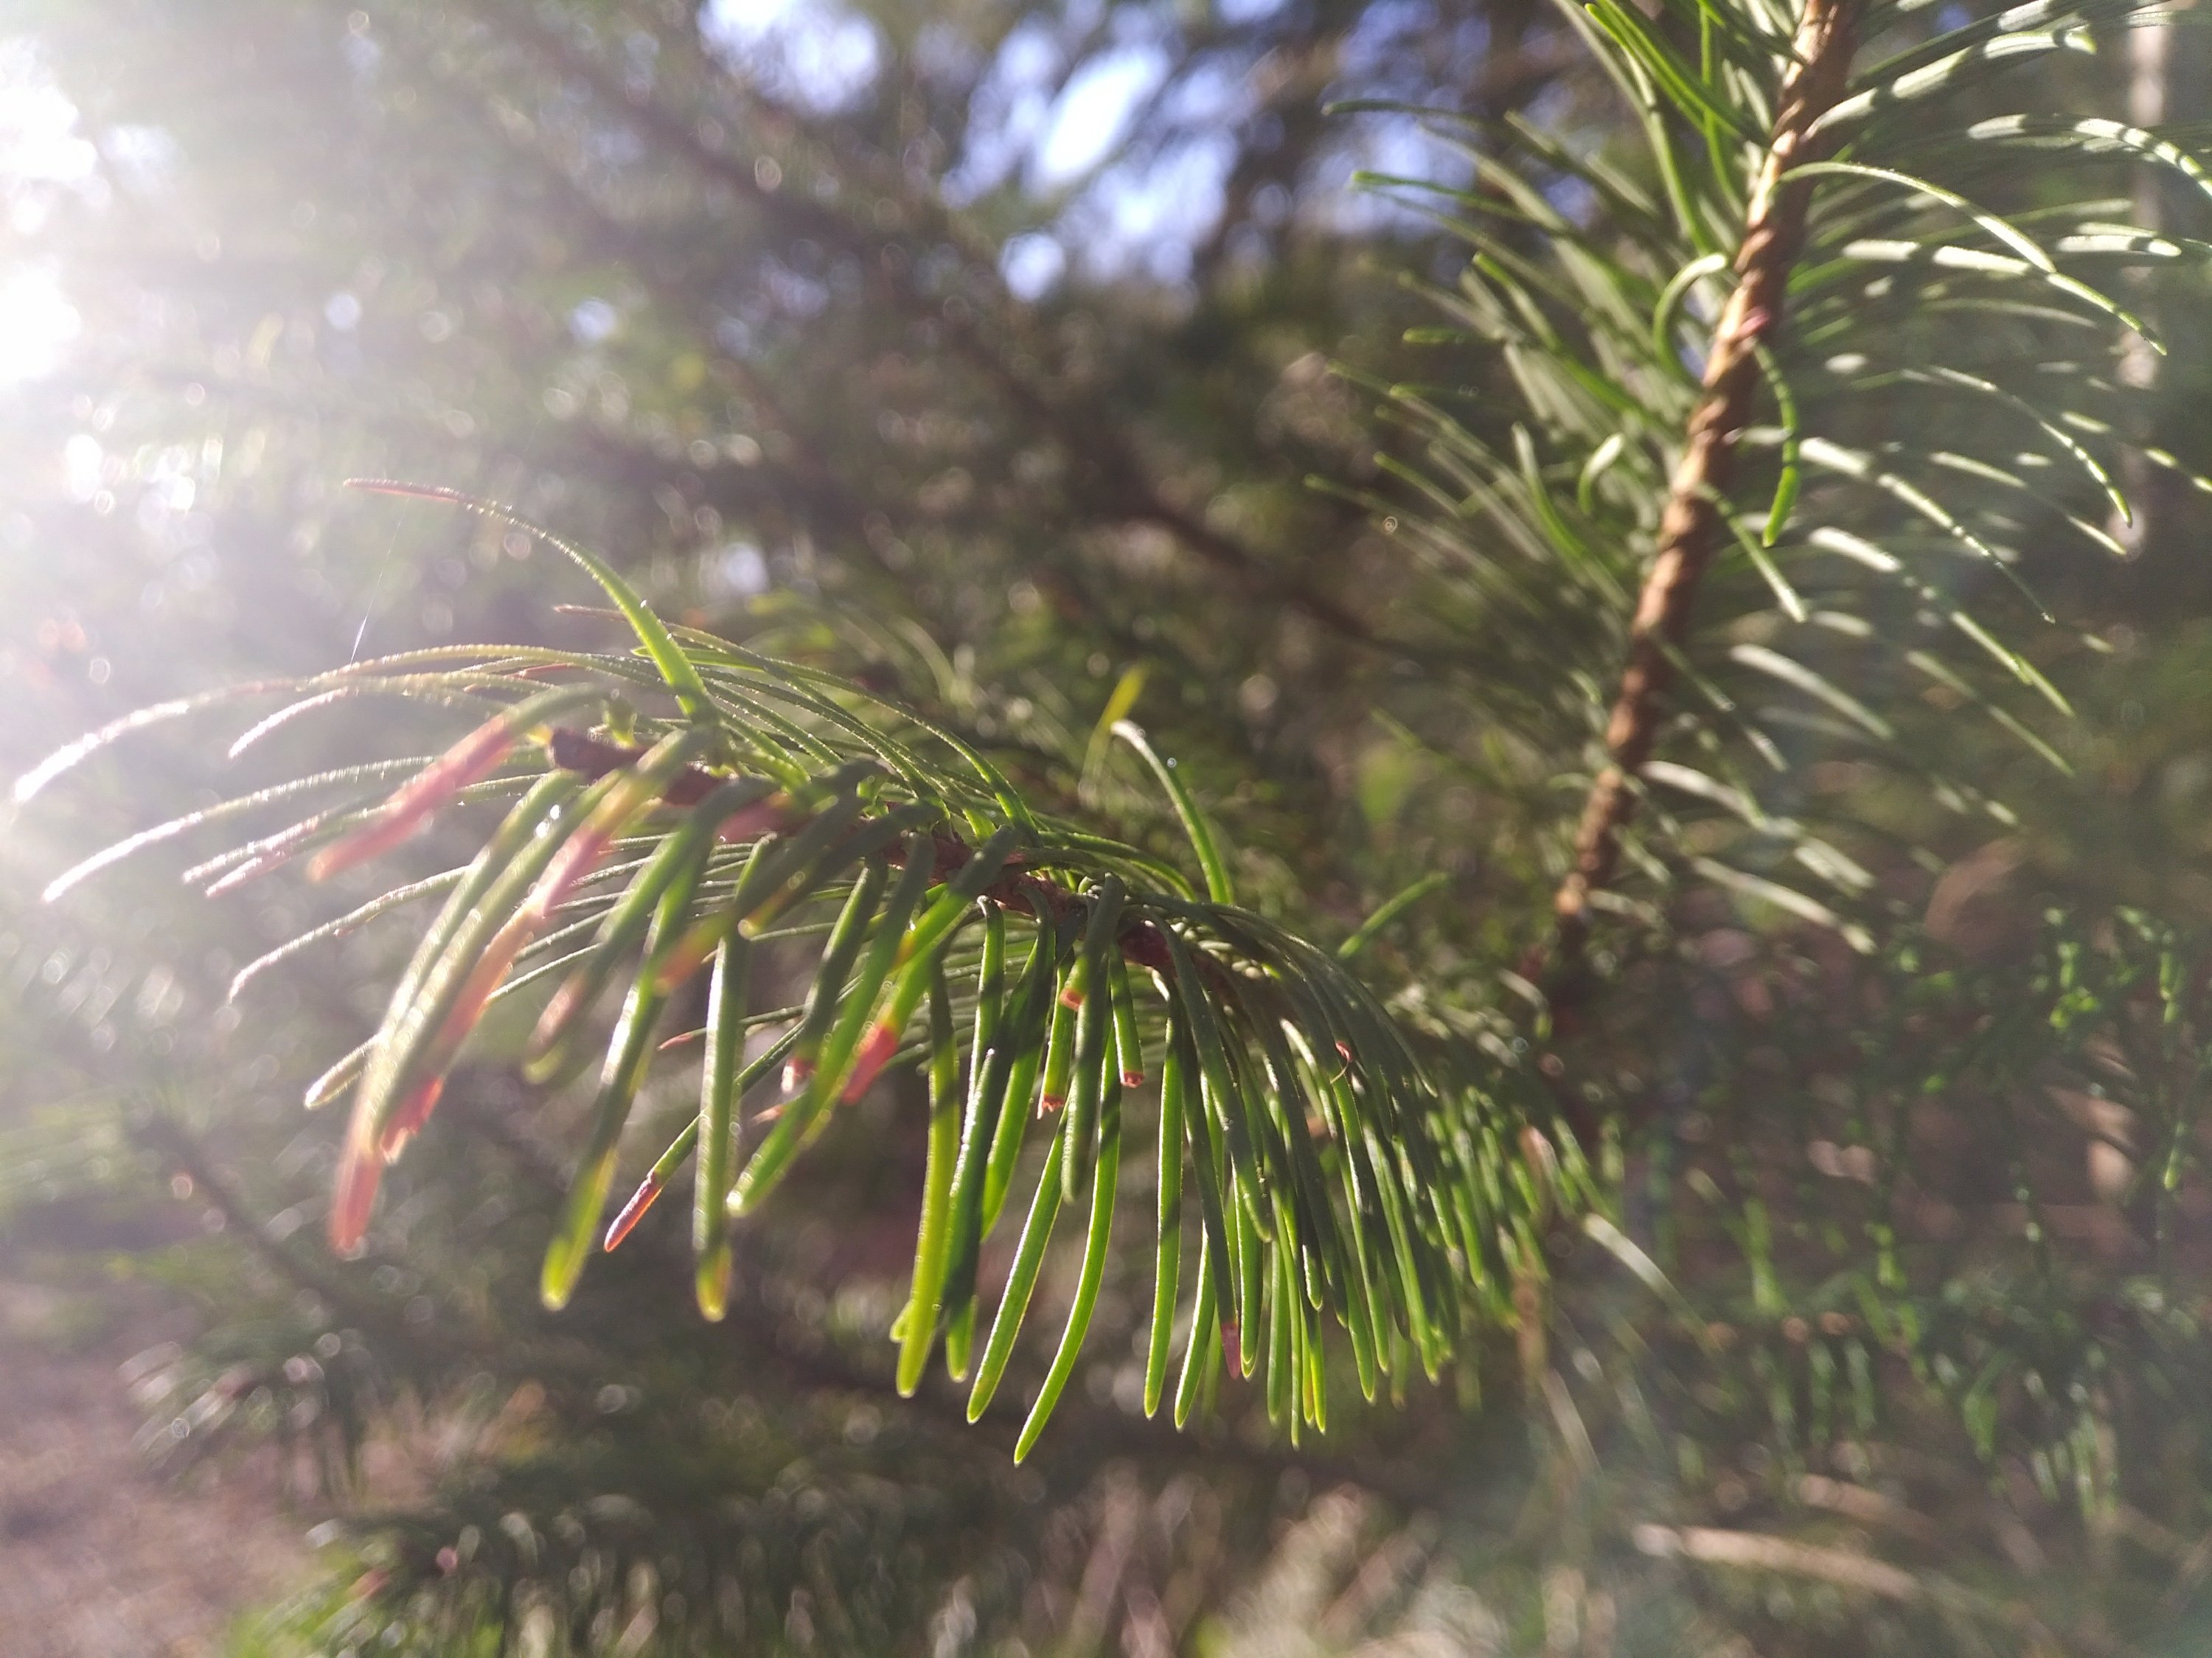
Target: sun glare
(37, 323)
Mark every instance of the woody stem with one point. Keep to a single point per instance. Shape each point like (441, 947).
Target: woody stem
(1692, 528)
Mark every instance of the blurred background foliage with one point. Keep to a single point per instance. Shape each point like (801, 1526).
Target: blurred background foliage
(983, 350)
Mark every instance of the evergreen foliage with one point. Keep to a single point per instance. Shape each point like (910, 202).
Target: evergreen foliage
(1701, 1069)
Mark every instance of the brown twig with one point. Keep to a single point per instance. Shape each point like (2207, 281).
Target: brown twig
(1863, 1573)
(1142, 942)
(1692, 527)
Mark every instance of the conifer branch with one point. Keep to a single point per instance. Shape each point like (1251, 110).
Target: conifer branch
(1691, 530)
(1121, 486)
(1141, 943)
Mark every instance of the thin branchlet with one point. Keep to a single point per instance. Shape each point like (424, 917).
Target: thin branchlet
(1693, 526)
(1016, 888)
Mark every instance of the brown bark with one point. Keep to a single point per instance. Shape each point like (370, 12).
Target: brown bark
(1692, 528)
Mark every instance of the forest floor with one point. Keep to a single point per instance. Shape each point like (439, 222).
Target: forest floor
(107, 1557)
